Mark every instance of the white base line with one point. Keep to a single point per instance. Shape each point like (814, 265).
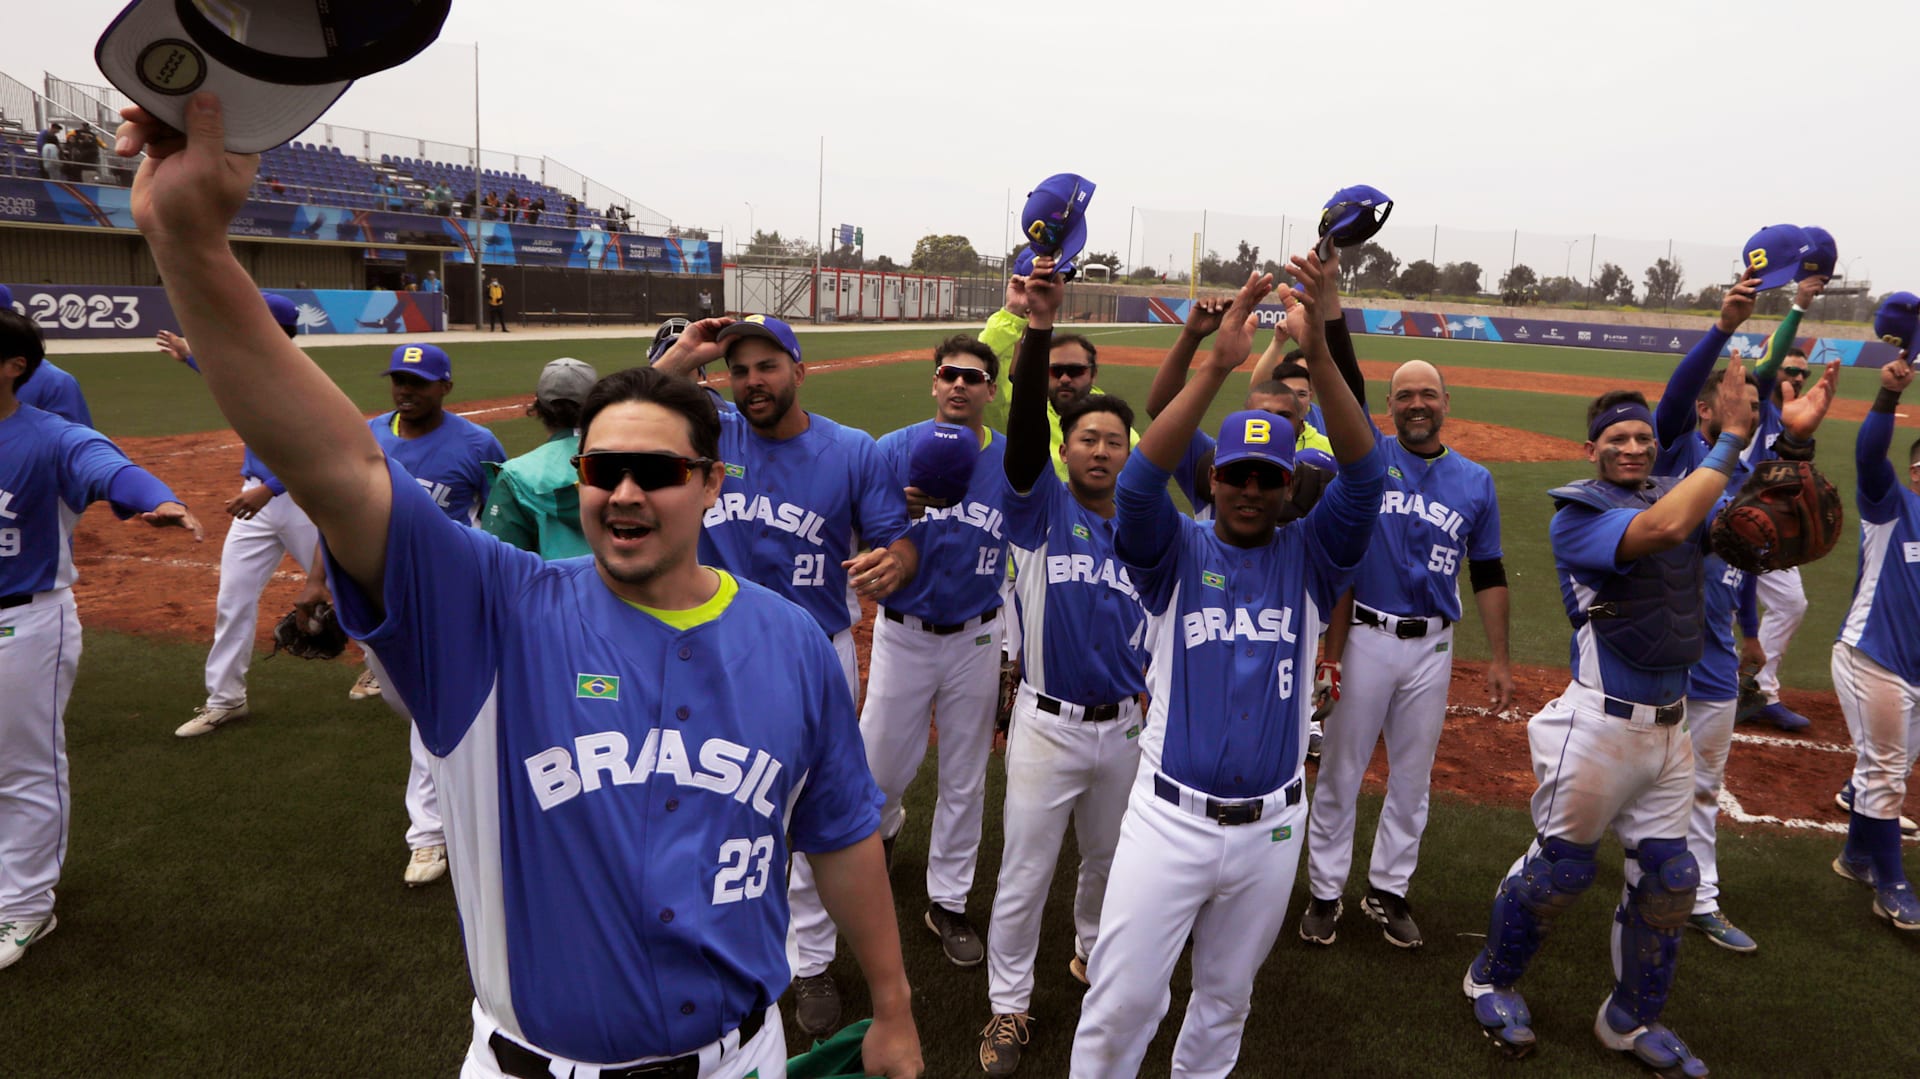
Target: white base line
(1730, 806)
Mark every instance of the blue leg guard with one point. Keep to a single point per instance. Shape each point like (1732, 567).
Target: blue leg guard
(1547, 884)
(1648, 924)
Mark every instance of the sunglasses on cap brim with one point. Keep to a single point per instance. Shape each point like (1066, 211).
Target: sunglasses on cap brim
(1271, 476)
(650, 471)
(953, 372)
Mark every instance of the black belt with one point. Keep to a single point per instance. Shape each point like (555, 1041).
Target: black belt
(1244, 811)
(523, 1063)
(20, 600)
(1664, 715)
(1090, 713)
(942, 631)
(1404, 628)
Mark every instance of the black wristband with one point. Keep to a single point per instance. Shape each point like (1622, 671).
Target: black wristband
(1789, 448)
(1887, 400)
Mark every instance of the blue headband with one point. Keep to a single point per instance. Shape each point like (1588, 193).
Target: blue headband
(1620, 413)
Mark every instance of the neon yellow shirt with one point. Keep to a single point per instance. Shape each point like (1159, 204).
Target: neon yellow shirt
(695, 616)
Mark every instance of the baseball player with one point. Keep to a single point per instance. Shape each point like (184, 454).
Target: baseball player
(1073, 748)
(51, 389)
(808, 509)
(267, 527)
(1072, 367)
(1438, 512)
(621, 799)
(534, 502)
(1212, 836)
(1611, 751)
(50, 470)
(1876, 660)
(936, 644)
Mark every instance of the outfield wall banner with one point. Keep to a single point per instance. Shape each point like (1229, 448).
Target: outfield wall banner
(78, 311)
(42, 202)
(1524, 331)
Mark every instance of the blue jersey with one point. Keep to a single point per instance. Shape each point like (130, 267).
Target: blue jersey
(1586, 542)
(963, 546)
(1082, 627)
(53, 390)
(620, 795)
(1690, 452)
(789, 511)
(1765, 434)
(50, 470)
(1880, 621)
(1717, 676)
(449, 461)
(1233, 630)
(1432, 512)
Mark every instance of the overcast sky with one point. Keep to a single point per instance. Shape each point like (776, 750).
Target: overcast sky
(1642, 122)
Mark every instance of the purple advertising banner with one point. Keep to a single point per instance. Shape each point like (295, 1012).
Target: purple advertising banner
(94, 311)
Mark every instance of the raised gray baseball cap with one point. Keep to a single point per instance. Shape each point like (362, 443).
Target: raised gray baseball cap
(566, 379)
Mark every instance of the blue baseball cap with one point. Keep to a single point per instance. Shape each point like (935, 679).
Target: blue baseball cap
(1252, 435)
(1897, 321)
(942, 461)
(421, 361)
(6, 297)
(1316, 458)
(285, 312)
(276, 66)
(1825, 254)
(763, 326)
(1354, 214)
(1775, 253)
(1055, 215)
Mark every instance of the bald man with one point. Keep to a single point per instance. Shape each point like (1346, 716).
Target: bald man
(1397, 626)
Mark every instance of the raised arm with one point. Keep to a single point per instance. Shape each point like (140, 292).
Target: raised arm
(1348, 427)
(695, 348)
(1768, 369)
(1167, 436)
(1877, 476)
(1668, 522)
(1203, 317)
(1674, 415)
(1028, 439)
(1269, 361)
(281, 404)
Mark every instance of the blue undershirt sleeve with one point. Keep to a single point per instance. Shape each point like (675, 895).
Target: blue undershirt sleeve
(1673, 416)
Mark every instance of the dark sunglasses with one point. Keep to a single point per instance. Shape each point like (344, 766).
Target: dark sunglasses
(953, 372)
(650, 471)
(1067, 370)
(1794, 372)
(1270, 477)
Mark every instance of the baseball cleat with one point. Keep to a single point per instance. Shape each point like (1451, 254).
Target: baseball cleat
(426, 865)
(1000, 1042)
(1896, 903)
(365, 686)
(16, 937)
(1844, 799)
(1503, 1016)
(1722, 932)
(207, 719)
(1318, 924)
(1395, 918)
(1652, 1045)
(1854, 867)
(1781, 717)
(1078, 968)
(816, 1005)
(957, 936)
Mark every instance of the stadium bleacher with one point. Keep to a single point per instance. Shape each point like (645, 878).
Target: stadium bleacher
(306, 172)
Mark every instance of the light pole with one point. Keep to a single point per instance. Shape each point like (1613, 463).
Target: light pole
(1566, 273)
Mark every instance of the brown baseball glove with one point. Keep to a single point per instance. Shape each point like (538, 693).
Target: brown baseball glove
(319, 637)
(1786, 514)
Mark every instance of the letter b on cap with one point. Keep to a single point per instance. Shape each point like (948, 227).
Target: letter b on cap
(1259, 432)
(412, 355)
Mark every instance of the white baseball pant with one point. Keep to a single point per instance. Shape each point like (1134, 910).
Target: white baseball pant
(1177, 872)
(763, 1057)
(1399, 691)
(424, 826)
(1883, 716)
(1058, 767)
(810, 933)
(1785, 599)
(39, 656)
(957, 677)
(1599, 772)
(1711, 725)
(252, 551)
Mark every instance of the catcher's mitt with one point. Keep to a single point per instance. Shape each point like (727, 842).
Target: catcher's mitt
(319, 637)
(1787, 514)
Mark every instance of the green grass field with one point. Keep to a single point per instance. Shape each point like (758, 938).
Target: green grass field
(232, 905)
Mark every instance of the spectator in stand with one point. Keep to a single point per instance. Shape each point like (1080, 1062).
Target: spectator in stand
(442, 199)
(490, 209)
(274, 185)
(526, 206)
(50, 152)
(83, 151)
(706, 303)
(534, 211)
(512, 205)
(432, 283)
(573, 212)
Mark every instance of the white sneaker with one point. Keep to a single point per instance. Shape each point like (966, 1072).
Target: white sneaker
(206, 719)
(367, 686)
(427, 865)
(16, 936)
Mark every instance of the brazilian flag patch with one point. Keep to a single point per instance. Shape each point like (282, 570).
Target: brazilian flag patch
(5, 632)
(1080, 532)
(1394, 471)
(738, 472)
(1213, 580)
(598, 687)
(1283, 833)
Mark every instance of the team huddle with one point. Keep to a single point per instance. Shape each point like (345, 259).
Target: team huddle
(640, 747)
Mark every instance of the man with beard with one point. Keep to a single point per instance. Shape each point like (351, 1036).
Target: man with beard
(1438, 510)
(1072, 366)
(808, 509)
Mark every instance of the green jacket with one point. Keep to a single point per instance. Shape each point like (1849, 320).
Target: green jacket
(1002, 334)
(535, 504)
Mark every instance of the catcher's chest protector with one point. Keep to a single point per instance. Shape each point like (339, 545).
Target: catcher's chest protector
(1653, 615)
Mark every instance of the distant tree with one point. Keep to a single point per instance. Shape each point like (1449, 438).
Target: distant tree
(1664, 279)
(1519, 279)
(1246, 261)
(1709, 298)
(1369, 266)
(1557, 290)
(1215, 270)
(1420, 278)
(842, 258)
(1102, 258)
(948, 254)
(1611, 284)
(1461, 278)
(1144, 273)
(886, 265)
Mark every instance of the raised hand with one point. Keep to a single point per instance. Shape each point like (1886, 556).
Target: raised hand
(189, 187)
(1803, 413)
(1898, 375)
(1042, 292)
(1808, 289)
(1203, 317)
(1737, 306)
(696, 347)
(173, 345)
(1730, 399)
(1235, 341)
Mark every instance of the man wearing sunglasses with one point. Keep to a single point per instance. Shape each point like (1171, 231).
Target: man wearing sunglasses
(800, 492)
(1072, 367)
(936, 644)
(1216, 820)
(627, 745)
